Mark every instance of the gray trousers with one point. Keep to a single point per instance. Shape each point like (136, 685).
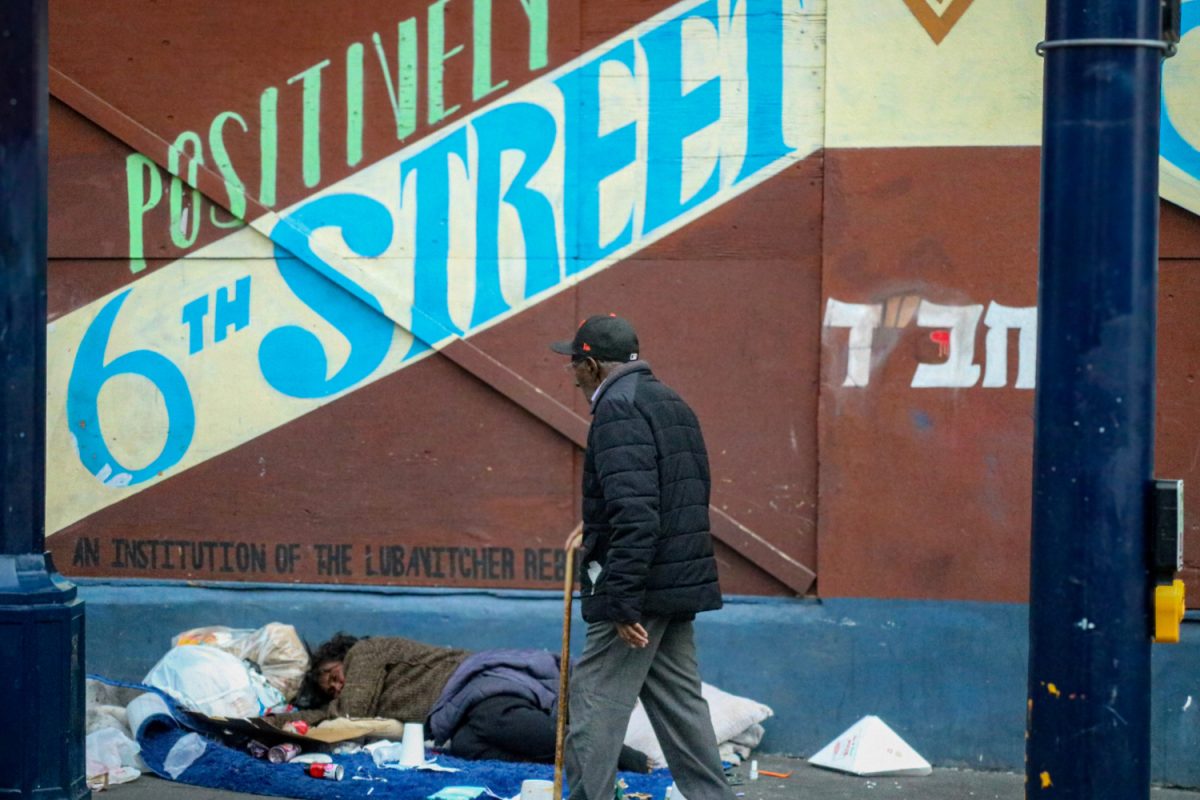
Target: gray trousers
(606, 683)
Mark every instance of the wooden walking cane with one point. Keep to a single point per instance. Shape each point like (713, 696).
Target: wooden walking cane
(564, 666)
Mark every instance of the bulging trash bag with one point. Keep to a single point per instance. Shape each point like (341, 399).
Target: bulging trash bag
(275, 647)
(213, 682)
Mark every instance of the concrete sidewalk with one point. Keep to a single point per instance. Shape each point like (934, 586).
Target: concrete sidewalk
(805, 782)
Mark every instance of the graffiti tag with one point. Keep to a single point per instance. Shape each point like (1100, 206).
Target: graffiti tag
(954, 329)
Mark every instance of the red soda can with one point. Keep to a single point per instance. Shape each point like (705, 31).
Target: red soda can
(333, 772)
(283, 752)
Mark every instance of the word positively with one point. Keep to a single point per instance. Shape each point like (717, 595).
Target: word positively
(398, 61)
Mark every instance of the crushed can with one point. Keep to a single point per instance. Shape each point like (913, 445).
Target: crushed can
(257, 749)
(281, 753)
(332, 772)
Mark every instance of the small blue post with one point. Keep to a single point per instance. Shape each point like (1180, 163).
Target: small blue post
(1090, 593)
(41, 620)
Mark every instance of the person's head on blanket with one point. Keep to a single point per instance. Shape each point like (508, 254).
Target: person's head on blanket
(327, 670)
(494, 704)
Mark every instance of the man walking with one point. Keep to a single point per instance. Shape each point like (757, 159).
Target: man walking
(646, 569)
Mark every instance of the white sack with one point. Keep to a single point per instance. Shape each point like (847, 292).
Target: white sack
(734, 719)
(212, 682)
(275, 647)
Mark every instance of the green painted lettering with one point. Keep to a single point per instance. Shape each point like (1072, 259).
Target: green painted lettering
(354, 104)
(181, 221)
(539, 15)
(402, 93)
(268, 144)
(138, 171)
(438, 56)
(481, 66)
(233, 184)
(311, 78)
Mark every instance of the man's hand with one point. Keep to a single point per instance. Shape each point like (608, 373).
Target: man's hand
(633, 634)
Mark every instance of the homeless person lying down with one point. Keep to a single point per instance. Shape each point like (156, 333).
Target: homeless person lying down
(494, 704)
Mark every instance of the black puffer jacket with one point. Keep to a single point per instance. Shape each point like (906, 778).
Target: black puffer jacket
(646, 548)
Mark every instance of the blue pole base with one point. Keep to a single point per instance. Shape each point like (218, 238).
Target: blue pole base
(41, 682)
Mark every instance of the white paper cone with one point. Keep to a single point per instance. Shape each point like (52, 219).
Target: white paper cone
(870, 747)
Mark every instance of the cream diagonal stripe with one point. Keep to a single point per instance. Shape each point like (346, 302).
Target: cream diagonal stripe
(543, 188)
(892, 85)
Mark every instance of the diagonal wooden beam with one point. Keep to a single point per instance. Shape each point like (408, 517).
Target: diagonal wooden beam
(760, 552)
(501, 378)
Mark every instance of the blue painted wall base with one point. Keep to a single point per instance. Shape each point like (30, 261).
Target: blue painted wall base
(949, 677)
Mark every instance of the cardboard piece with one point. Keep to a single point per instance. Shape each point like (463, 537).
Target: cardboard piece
(870, 747)
(329, 732)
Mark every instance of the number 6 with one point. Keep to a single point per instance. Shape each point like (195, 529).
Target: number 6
(88, 376)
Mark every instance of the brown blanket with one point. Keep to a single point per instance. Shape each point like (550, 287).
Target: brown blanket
(388, 676)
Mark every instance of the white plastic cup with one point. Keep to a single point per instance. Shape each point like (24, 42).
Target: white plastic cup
(537, 790)
(412, 746)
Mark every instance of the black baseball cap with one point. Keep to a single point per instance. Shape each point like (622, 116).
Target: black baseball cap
(604, 337)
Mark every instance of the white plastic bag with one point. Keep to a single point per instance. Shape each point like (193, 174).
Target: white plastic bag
(212, 682)
(183, 754)
(108, 749)
(276, 648)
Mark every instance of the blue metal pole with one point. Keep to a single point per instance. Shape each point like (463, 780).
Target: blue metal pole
(41, 619)
(1090, 603)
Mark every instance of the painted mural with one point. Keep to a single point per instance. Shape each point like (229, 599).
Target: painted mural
(824, 217)
(437, 241)
(499, 209)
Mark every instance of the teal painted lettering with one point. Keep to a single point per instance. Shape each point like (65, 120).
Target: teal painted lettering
(530, 130)
(193, 317)
(1173, 145)
(590, 158)
(89, 373)
(764, 85)
(231, 311)
(674, 115)
(431, 321)
(292, 359)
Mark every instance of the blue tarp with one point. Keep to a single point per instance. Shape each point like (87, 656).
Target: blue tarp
(223, 767)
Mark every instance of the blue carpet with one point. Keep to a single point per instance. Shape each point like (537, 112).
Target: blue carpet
(222, 767)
